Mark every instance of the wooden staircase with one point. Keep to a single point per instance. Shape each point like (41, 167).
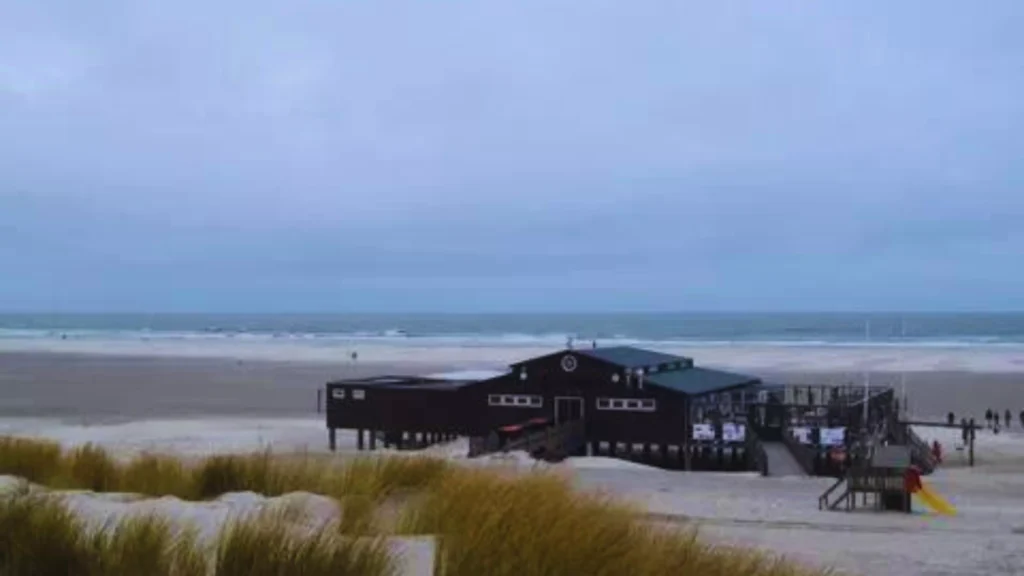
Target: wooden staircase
(552, 443)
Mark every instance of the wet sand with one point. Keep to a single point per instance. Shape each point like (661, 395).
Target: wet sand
(89, 387)
(105, 388)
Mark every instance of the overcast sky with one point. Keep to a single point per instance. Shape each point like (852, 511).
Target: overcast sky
(514, 155)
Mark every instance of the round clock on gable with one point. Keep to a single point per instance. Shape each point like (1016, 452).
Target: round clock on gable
(568, 362)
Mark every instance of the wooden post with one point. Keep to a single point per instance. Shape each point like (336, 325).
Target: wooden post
(373, 439)
(688, 431)
(970, 450)
(359, 439)
(332, 439)
(319, 399)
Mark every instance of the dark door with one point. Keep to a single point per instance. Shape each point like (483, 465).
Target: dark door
(568, 408)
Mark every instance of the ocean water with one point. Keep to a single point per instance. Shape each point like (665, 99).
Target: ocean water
(818, 329)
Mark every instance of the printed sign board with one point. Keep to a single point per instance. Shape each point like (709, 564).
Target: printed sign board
(734, 432)
(802, 434)
(703, 432)
(833, 436)
(891, 457)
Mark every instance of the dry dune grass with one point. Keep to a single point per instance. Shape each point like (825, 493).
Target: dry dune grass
(490, 523)
(487, 523)
(90, 467)
(39, 536)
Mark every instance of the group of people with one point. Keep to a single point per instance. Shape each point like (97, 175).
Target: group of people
(992, 419)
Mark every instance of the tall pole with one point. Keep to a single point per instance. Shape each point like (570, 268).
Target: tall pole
(903, 371)
(867, 374)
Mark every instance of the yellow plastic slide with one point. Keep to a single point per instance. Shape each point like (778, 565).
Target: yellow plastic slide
(934, 501)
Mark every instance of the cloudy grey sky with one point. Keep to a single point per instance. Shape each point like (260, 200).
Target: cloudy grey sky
(528, 155)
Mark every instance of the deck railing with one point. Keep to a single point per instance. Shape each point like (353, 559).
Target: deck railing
(553, 441)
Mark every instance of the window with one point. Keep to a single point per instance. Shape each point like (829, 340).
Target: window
(358, 394)
(627, 404)
(515, 400)
(338, 393)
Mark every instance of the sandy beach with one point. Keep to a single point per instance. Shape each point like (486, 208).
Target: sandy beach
(193, 405)
(124, 382)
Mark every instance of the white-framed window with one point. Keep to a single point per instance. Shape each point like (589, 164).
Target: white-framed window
(627, 404)
(338, 393)
(359, 394)
(516, 400)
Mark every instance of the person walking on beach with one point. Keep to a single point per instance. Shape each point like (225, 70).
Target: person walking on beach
(988, 418)
(1022, 418)
(1007, 417)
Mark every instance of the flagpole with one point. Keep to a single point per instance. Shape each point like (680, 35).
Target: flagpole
(867, 373)
(903, 368)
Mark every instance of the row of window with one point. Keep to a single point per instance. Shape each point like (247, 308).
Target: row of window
(340, 393)
(531, 401)
(631, 404)
(518, 400)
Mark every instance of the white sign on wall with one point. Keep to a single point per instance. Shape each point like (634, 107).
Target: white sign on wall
(338, 393)
(358, 394)
(802, 434)
(703, 432)
(733, 432)
(833, 436)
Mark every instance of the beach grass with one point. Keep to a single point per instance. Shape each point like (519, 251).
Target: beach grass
(90, 467)
(34, 460)
(264, 545)
(40, 536)
(487, 522)
(490, 523)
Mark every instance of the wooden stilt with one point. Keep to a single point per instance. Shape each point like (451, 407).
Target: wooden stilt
(373, 439)
(332, 439)
(359, 439)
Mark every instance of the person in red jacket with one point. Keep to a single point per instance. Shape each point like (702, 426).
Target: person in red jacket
(912, 479)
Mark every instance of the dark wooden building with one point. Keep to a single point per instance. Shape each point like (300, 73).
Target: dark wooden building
(620, 400)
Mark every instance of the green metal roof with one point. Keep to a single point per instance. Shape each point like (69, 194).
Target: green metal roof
(630, 357)
(696, 381)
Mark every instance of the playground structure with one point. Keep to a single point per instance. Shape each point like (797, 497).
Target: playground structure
(884, 479)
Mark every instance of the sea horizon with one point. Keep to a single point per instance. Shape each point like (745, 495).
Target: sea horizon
(910, 329)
